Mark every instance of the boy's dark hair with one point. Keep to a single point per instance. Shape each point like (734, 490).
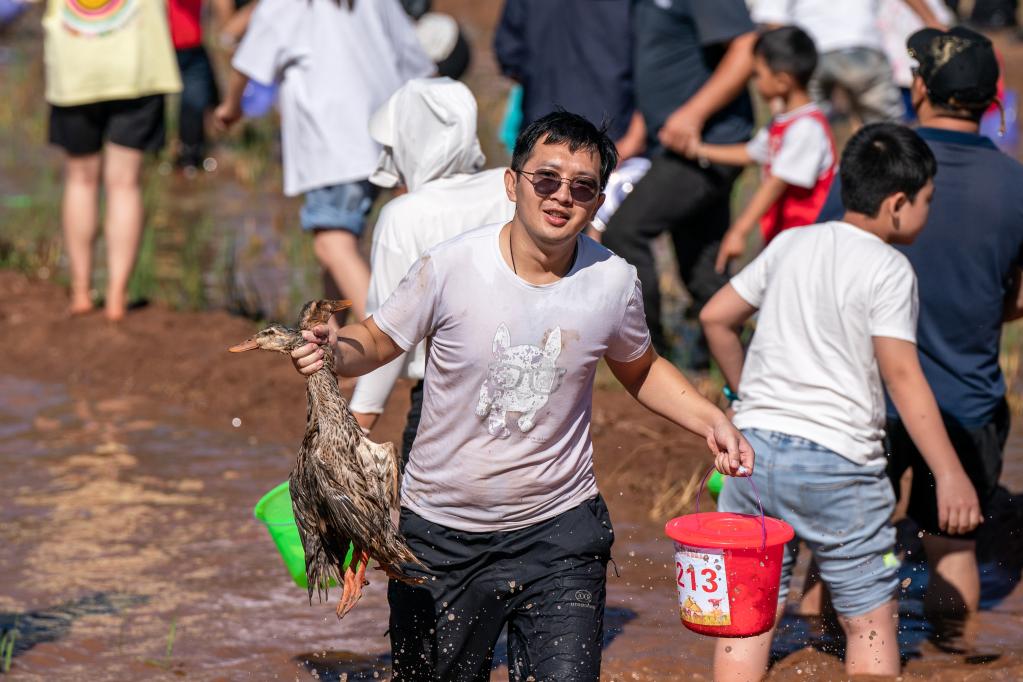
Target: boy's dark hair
(788, 50)
(564, 127)
(880, 160)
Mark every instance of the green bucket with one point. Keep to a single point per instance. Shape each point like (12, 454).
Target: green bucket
(275, 511)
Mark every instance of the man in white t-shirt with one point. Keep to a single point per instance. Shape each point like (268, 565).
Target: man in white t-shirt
(838, 311)
(499, 499)
(848, 41)
(428, 131)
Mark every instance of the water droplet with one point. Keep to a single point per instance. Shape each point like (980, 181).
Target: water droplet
(451, 616)
(236, 422)
(728, 649)
(906, 582)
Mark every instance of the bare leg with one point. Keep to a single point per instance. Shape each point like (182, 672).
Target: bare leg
(79, 215)
(123, 223)
(338, 253)
(953, 593)
(745, 659)
(872, 647)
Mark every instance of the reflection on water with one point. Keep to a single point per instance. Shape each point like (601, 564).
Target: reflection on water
(129, 525)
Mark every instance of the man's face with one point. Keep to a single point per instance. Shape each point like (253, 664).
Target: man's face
(913, 215)
(555, 219)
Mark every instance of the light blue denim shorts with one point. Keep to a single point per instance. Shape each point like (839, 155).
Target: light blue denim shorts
(840, 509)
(338, 207)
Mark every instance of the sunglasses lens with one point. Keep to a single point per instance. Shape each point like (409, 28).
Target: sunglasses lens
(545, 186)
(583, 192)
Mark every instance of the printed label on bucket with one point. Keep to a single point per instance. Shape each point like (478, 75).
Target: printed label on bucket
(702, 586)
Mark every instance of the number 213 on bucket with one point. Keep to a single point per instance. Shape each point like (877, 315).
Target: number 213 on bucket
(702, 585)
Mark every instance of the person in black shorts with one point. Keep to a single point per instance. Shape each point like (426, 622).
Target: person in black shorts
(106, 78)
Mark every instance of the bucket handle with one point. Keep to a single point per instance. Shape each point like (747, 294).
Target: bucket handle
(749, 477)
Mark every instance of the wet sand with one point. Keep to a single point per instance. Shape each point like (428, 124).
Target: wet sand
(129, 513)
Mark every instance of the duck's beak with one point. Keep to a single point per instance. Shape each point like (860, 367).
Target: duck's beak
(338, 306)
(244, 346)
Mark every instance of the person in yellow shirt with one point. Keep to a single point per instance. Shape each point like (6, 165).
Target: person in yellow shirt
(109, 64)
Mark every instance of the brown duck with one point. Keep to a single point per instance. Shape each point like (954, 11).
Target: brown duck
(344, 486)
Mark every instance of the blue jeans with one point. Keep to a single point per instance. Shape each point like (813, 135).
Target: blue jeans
(339, 207)
(840, 509)
(199, 93)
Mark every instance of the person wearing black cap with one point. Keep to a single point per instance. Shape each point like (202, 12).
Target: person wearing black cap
(968, 262)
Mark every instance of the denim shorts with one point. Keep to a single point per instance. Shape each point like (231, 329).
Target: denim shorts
(338, 207)
(840, 509)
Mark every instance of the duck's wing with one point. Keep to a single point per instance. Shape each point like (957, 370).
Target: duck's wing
(380, 461)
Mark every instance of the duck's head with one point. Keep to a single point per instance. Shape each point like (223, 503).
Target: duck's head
(276, 337)
(319, 312)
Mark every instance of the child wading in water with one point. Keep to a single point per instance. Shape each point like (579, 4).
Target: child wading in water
(838, 311)
(796, 149)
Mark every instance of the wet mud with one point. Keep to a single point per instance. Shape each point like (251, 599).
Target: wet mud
(130, 550)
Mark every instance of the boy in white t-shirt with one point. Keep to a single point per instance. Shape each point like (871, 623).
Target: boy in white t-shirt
(337, 62)
(795, 149)
(837, 314)
(499, 499)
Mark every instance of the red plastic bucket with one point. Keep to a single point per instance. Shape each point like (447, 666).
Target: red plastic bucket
(727, 569)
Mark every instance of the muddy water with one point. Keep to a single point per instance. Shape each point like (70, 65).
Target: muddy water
(130, 552)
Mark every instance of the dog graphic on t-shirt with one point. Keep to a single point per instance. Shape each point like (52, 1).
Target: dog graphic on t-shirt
(519, 379)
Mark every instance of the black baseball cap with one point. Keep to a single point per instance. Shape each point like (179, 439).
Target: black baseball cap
(958, 66)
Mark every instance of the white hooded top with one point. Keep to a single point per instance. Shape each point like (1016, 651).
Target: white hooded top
(428, 129)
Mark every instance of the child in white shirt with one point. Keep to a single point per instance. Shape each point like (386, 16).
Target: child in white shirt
(337, 61)
(837, 314)
(795, 149)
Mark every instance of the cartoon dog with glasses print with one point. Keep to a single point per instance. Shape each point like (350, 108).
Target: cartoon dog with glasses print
(520, 379)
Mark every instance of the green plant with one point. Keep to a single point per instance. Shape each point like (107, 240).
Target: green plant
(7, 640)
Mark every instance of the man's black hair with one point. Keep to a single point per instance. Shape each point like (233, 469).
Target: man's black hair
(564, 127)
(788, 50)
(880, 160)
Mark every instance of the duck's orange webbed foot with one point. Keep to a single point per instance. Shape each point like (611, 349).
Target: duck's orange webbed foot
(354, 580)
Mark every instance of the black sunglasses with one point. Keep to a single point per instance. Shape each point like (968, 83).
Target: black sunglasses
(545, 183)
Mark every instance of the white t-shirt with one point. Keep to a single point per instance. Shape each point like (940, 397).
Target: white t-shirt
(336, 67)
(824, 292)
(504, 440)
(805, 152)
(833, 24)
(407, 227)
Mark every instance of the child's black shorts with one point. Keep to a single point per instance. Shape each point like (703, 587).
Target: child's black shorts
(546, 583)
(134, 123)
(980, 450)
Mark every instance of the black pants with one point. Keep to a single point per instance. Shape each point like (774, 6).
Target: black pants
(545, 583)
(415, 411)
(980, 451)
(199, 93)
(690, 203)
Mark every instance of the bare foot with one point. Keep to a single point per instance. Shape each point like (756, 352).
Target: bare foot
(115, 308)
(80, 304)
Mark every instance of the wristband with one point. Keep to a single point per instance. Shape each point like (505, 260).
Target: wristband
(730, 395)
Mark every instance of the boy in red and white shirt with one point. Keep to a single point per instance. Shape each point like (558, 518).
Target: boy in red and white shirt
(796, 149)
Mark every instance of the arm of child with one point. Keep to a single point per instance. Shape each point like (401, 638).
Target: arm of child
(724, 154)
(359, 348)
(229, 111)
(722, 319)
(958, 508)
(922, 10)
(661, 388)
(733, 244)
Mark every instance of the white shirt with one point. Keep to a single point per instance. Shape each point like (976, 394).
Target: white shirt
(336, 66)
(407, 227)
(805, 153)
(504, 440)
(833, 24)
(824, 292)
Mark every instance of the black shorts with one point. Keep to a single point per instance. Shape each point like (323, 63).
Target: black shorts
(134, 123)
(980, 450)
(546, 583)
